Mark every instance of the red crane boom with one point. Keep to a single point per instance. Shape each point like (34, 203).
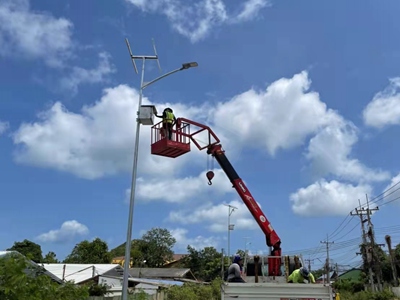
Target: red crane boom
(180, 144)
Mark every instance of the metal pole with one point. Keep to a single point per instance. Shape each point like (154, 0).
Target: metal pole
(229, 233)
(132, 196)
(128, 245)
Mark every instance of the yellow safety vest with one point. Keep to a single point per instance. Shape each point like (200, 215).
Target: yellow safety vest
(169, 117)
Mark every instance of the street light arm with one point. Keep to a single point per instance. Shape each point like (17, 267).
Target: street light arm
(160, 77)
(185, 66)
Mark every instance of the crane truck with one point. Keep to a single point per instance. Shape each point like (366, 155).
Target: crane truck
(266, 277)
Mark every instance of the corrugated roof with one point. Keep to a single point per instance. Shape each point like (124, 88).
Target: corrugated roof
(158, 272)
(80, 272)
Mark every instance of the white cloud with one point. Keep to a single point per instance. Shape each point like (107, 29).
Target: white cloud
(392, 191)
(213, 216)
(279, 118)
(68, 231)
(79, 75)
(96, 142)
(384, 109)
(198, 242)
(330, 153)
(184, 189)
(195, 19)
(250, 10)
(29, 34)
(324, 198)
(4, 127)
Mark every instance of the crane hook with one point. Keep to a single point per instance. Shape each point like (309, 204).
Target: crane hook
(210, 176)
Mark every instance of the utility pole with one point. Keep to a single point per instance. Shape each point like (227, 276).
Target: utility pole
(367, 257)
(327, 242)
(392, 260)
(309, 261)
(375, 260)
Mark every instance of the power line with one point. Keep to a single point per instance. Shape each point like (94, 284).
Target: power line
(379, 198)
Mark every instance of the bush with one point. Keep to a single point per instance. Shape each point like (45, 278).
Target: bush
(367, 295)
(349, 286)
(195, 291)
(21, 280)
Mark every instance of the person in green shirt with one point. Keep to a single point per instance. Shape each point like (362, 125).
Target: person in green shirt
(299, 275)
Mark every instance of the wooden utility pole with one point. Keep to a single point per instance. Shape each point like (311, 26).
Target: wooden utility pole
(392, 260)
(367, 255)
(309, 261)
(327, 243)
(375, 260)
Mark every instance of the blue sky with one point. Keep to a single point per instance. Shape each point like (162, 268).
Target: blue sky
(304, 97)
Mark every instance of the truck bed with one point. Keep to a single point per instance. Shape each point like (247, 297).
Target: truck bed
(275, 291)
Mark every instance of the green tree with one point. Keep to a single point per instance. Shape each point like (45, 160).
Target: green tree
(381, 256)
(156, 247)
(21, 280)
(29, 249)
(50, 258)
(95, 252)
(205, 264)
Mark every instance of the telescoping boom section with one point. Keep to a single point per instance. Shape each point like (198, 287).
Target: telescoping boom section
(180, 144)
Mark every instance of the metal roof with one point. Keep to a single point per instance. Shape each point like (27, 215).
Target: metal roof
(81, 272)
(159, 272)
(154, 282)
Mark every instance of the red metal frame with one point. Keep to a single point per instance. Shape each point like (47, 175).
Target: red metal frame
(177, 146)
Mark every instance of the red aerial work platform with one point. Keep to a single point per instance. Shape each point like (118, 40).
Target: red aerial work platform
(181, 137)
(180, 144)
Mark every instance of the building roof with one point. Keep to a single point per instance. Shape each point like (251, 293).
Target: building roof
(353, 274)
(32, 263)
(159, 272)
(154, 282)
(175, 257)
(82, 272)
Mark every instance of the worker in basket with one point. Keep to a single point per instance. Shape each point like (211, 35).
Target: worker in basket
(168, 122)
(301, 274)
(235, 270)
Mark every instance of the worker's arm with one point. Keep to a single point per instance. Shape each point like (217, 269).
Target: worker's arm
(160, 116)
(291, 278)
(311, 278)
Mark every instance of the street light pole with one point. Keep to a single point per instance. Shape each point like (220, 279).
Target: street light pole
(231, 209)
(143, 85)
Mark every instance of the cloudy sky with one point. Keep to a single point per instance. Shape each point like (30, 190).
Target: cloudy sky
(304, 98)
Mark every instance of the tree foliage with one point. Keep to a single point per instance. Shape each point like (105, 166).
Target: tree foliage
(156, 247)
(95, 252)
(196, 292)
(29, 249)
(205, 264)
(381, 257)
(21, 280)
(50, 258)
